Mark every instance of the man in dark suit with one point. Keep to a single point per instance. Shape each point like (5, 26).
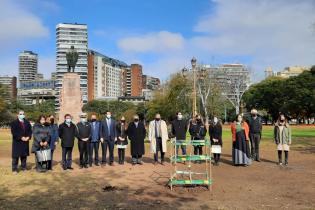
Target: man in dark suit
(108, 138)
(94, 140)
(21, 131)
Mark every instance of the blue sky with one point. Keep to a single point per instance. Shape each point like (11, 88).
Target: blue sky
(163, 35)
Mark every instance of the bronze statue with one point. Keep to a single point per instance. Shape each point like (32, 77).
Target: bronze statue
(72, 58)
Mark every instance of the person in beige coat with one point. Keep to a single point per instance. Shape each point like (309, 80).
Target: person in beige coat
(158, 136)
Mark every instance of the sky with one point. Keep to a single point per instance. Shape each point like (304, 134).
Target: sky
(163, 35)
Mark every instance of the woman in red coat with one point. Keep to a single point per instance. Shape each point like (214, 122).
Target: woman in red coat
(240, 137)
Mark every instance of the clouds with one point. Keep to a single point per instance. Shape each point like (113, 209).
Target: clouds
(18, 25)
(162, 41)
(262, 33)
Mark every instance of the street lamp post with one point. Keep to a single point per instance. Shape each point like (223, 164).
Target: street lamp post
(194, 92)
(193, 65)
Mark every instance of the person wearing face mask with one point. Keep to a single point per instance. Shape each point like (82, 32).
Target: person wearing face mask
(136, 134)
(21, 131)
(121, 129)
(197, 131)
(179, 130)
(215, 132)
(94, 140)
(240, 137)
(67, 133)
(54, 138)
(84, 134)
(108, 138)
(158, 136)
(255, 128)
(282, 136)
(42, 138)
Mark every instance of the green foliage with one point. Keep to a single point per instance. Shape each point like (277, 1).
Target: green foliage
(115, 107)
(294, 97)
(174, 96)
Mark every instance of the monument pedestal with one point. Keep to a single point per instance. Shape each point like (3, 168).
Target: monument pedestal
(70, 97)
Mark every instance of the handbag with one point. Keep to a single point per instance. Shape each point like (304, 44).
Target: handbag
(43, 155)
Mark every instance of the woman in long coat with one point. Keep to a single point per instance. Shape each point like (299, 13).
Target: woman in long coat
(215, 132)
(136, 134)
(21, 130)
(240, 137)
(42, 136)
(282, 135)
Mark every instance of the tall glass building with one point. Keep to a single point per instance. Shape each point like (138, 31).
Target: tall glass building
(67, 35)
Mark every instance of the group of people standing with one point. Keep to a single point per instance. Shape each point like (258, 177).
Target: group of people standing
(93, 132)
(244, 132)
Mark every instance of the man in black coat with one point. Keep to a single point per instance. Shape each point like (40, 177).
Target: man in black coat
(21, 131)
(84, 134)
(136, 134)
(108, 138)
(67, 133)
(179, 130)
(255, 129)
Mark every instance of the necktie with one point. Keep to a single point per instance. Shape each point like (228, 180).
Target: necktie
(108, 126)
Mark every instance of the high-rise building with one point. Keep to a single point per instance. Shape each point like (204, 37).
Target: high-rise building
(28, 65)
(68, 35)
(133, 80)
(151, 83)
(10, 85)
(105, 76)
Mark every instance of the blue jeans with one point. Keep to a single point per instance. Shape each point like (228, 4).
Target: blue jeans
(67, 156)
(183, 147)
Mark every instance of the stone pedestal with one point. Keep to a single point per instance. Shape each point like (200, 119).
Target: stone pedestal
(70, 97)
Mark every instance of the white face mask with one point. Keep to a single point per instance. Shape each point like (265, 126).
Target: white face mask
(179, 116)
(68, 120)
(215, 120)
(83, 120)
(108, 116)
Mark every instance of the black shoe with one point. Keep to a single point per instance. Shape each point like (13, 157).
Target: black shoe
(258, 160)
(81, 166)
(97, 164)
(70, 168)
(64, 168)
(86, 166)
(111, 164)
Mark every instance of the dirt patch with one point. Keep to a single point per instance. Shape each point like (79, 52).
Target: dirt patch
(263, 185)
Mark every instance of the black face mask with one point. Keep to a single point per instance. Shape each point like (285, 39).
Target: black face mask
(52, 121)
(93, 120)
(136, 120)
(123, 121)
(254, 115)
(47, 124)
(282, 121)
(157, 119)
